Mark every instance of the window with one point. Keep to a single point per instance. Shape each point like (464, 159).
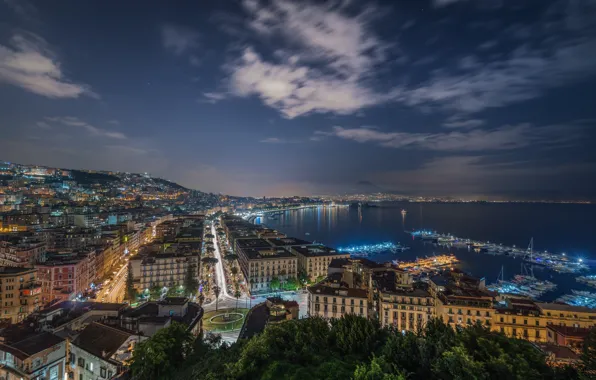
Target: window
(513, 320)
(81, 362)
(102, 372)
(537, 323)
(525, 321)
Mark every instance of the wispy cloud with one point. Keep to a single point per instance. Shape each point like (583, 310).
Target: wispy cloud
(23, 8)
(29, 63)
(179, 39)
(213, 97)
(525, 73)
(503, 138)
(328, 57)
(279, 140)
(458, 122)
(72, 121)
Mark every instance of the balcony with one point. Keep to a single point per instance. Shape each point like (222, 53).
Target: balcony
(30, 290)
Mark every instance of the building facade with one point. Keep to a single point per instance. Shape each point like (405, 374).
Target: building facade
(20, 293)
(314, 260)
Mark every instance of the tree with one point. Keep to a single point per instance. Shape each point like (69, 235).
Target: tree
(303, 277)
(237, 294)
(588, 356)
(234, 271)
(282, 278)
(378, 369)
(131, 292)
(274, 284)
(292, 283)
(209, 261)
(191, 285)
(216, 291)
(155, 292)
(230, 257)
(163, 353)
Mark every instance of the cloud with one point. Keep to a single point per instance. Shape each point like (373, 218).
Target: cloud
(29, 63)
(213, 97)
(43, 125)
(488, 45)
(325, 65)
(72, 121)
(23, 8)
(503, 138)
(560, 53)
(443, 3)
(179, 39)
(278, 140)
(466, 124)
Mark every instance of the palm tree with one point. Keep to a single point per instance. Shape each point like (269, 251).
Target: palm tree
(237, 294)
(216, 292)
(282, 275)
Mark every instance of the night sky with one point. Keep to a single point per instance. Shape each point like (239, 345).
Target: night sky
(433, 97)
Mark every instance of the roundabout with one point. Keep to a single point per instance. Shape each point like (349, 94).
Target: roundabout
(228, 319)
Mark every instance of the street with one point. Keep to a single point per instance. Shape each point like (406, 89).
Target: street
(226, 301)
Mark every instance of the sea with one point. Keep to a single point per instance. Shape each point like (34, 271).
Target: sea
(558, 228)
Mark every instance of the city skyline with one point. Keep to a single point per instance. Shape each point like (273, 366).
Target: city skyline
(252, 98)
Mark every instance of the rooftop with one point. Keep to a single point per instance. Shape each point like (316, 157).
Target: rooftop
(288, 241)
(173, 301)
(267, 253)
(37, 343)
(5, 271)
(101, 340)
(315, 250)
(252, 243)
(575, 332)
(563, 307)
(326, 290)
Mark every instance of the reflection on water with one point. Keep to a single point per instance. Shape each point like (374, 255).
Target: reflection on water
(558, 228)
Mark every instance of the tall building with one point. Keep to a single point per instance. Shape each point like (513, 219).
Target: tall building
(20, 293)
(334, 298)
(37, 356)
(538, 321)
(155, 265)
(314, 260)
(64, 278)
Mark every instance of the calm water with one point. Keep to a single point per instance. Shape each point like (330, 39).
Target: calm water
(556, 227)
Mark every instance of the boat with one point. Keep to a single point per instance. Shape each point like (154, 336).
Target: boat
(403, 212)
(579, 298)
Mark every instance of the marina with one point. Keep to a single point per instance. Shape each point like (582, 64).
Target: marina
(525, 285)
(428, 264)
(366, 250)
(587, 279)
(579, 298)
(558, 262)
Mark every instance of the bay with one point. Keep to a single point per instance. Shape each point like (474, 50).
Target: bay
(569, 228)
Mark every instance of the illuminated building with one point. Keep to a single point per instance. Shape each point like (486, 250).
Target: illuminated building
(314, 260)
(333, 298)
(20, 293)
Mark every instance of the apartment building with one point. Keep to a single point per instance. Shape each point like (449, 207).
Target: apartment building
(33, 357)
(405, 309)
(527, 319)
(101, 352)
(155, 265)
(20, 293)
(64, 277)
(462, 300)
(261, 265)
(314, 259)
(333, 299)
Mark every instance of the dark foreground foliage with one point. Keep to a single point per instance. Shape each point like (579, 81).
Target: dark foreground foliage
(350, 348)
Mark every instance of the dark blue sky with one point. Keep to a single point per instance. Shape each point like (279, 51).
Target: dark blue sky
(280, 97)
